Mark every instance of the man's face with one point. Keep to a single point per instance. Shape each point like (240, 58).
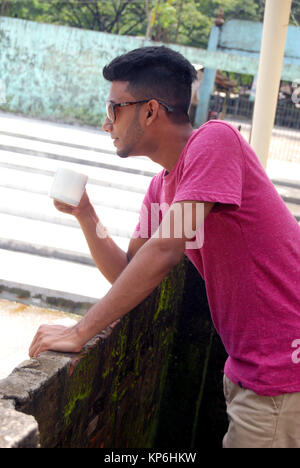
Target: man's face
(126, 131)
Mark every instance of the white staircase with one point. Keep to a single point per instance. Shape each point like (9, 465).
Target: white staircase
(41, 247)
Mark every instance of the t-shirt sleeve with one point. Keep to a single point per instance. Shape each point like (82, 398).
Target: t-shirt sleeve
(213, 167)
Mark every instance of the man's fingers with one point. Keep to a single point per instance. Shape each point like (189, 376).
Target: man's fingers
(40, 340)
(36, 348)
(63, 207)
(55, 338)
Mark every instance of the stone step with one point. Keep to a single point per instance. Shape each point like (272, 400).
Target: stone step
(283, 172)
(54, 131)
(100, 195)
(40, 207)
(66, 140)
(289, 190)
(294, 209)
(292, 183)
(97, 175)
(47, 234)
(289, 193)
(69, 154)
(40, 247)
(52, 274)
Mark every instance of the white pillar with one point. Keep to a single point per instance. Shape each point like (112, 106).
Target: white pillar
(276, 21)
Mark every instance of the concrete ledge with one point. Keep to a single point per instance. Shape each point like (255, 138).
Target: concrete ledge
(32, 376)
(154, 379)
(17, 430)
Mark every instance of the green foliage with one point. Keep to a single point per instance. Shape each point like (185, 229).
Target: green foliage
(241, 9)
(195, 26)
(186, 22)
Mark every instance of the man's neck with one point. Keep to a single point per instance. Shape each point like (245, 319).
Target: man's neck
(171, 147)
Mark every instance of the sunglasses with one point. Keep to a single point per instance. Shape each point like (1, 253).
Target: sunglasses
(110, 107)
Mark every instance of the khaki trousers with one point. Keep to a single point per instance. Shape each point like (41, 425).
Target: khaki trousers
(257, 421)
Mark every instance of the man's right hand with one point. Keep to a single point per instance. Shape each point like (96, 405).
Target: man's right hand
(108, 256)
(76, 211)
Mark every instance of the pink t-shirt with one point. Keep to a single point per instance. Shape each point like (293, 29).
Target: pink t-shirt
(250, 259)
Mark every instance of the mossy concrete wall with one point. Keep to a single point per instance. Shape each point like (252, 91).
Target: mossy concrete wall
(152, 380)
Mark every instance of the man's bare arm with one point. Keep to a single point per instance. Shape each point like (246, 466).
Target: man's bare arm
(147, 269)
(108, 256)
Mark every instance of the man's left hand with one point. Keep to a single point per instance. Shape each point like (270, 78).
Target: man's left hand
(55, 338)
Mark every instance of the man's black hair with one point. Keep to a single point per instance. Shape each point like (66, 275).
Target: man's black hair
(156, 72)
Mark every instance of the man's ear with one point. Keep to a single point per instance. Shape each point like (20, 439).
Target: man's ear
(153, 107)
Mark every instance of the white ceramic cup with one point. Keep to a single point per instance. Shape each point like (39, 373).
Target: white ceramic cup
(68, 186)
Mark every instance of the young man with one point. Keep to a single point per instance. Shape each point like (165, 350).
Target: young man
(250, 259)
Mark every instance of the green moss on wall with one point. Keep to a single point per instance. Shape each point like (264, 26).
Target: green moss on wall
(81, 382)
(137, 364)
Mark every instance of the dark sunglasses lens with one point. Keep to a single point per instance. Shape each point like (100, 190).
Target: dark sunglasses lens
(110, 111)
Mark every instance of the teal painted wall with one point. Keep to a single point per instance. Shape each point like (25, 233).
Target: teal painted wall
(244, 35)
(55, 72)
